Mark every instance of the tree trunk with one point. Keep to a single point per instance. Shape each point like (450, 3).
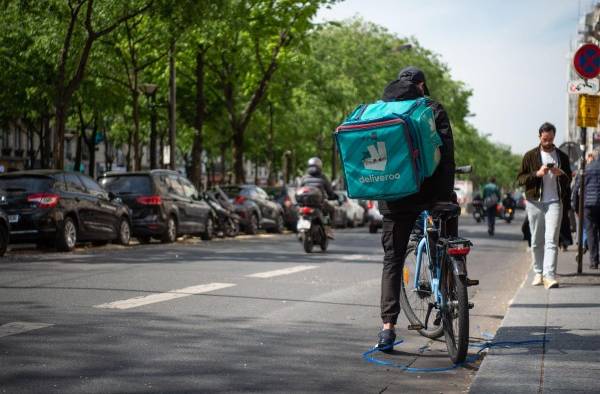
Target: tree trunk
(91, 146)
(47, 142)
(135, 101)
(199, 121)
(238, 155)
(172, 107)
(58, 152)
(129, 148)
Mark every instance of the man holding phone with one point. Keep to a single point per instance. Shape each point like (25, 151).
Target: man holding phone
(546, 174)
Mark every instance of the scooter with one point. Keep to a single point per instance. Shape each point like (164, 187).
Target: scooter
(311, 220)
(508, 214)
(478, 213)
(227, 222)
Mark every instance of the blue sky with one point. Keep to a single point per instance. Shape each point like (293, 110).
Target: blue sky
(513, 54)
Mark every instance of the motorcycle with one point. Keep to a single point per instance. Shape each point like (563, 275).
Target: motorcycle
(311, 220)
(227, 222)
(508, 214)
(478, 212)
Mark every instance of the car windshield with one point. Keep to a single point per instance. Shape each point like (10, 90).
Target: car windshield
(28, 184)
(127, 184)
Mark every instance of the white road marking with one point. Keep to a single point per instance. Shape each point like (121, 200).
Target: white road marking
(285, 271)
(18, 327)
(167, 296)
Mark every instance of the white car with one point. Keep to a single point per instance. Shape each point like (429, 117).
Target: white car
(355, 214)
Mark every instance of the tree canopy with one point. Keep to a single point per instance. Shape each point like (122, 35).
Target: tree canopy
(257, 80)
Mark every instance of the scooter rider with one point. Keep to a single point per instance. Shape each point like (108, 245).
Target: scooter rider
(314, 177)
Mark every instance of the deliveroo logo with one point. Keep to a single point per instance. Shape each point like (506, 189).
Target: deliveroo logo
(377, 162)
(378, 159)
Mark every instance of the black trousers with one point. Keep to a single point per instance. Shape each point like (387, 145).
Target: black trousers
(394, 239)
(491, 219)
(592, 230)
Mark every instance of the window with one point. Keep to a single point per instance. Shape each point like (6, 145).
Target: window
(188, 189)
(92, 186)
(173, 185)
(74, 183)
(127, 184)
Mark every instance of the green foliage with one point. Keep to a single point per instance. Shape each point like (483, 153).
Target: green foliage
(320, 74)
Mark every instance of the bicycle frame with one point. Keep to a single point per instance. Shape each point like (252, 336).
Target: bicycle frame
(436, 268)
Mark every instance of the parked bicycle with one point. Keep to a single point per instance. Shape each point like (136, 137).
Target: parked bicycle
(434, 282)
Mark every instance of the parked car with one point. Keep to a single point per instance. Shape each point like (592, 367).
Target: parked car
(354, 212)
(374, 217)
(520, 200)
(256, 209)
(54, 207)
(164, 204)
(4, 225)
(286, 197)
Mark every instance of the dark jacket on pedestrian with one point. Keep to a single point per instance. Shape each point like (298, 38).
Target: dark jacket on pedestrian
(591, 193)
(440, 185)
(315, 177)
(532, 161)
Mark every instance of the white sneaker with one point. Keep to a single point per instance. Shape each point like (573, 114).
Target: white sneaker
(537, 280)
(550, 283)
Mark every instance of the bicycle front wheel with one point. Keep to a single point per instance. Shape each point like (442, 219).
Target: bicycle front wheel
(416, 297)
(455, 315)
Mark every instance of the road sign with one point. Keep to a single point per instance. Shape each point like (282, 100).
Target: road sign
(583, 86)
(589, 108)
(587, 61)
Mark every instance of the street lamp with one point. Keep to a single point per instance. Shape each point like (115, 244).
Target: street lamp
(149, 90)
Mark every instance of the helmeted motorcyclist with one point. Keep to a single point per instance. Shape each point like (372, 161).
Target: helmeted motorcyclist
(314, 177)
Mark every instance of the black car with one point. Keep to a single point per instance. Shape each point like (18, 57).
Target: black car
(164, 204)
(4, 226)
(54, 207)
(255, 208)
(286, 197)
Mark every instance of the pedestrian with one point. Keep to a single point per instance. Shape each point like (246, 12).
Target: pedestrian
(546, 174)
(399, 216)
(491, 196)
(591, 206)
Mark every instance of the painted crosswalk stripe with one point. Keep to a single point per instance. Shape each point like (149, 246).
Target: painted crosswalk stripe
(18, 327)
(284, 271)
(167, 296)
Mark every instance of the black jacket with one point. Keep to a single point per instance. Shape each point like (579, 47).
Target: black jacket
(440, 185)
(531, 163)
(591, 193)
(314, 177)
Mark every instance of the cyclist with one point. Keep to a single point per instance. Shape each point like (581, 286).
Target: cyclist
(491, 197)
(315, 177)
(399, 216)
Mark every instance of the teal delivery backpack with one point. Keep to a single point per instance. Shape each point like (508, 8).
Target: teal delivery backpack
(387, 149)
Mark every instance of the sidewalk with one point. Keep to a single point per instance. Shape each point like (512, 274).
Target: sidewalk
(568, 317)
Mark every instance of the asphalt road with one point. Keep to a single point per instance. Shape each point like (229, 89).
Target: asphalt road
(248, 314)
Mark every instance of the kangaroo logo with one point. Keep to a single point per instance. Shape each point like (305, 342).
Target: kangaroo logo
(378, 159)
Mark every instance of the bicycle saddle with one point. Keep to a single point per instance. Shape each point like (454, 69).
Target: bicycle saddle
(445, 210)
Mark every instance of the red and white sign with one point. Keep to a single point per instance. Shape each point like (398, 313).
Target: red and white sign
(587, 61)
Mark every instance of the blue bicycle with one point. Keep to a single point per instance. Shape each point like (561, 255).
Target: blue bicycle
(434, 294)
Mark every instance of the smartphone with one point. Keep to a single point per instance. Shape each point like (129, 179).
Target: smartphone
(550, 165)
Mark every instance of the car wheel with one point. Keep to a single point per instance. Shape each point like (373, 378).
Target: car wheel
(124, 232)
(67, 236)
(170, 234)
(3, 240)
(280, 225)
(209, 230)
(252, 227)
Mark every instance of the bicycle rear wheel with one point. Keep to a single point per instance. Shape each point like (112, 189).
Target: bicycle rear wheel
(415, 300)
(455, 316)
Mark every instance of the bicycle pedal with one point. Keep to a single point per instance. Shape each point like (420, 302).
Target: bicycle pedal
(471, 305)
(472, 282)
(415, 327)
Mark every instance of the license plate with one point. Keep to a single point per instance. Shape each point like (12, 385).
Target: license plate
(13, 218)
(303, 224)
